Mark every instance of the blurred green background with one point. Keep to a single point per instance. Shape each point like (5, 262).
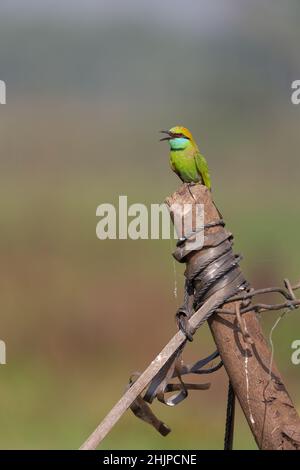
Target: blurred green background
(88, 87)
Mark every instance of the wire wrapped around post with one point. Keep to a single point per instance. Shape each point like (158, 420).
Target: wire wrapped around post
(211, 269)
(245, 353)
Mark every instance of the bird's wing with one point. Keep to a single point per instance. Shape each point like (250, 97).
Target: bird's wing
(202, 167)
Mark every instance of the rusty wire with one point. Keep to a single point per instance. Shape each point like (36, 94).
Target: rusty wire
(291, 303)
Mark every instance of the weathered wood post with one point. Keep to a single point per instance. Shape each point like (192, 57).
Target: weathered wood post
(257, 383)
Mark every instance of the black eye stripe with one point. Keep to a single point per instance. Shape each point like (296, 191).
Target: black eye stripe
(181, 136)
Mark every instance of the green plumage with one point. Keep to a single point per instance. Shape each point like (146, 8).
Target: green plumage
(190, 166)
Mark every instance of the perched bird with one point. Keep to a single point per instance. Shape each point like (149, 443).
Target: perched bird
(185, 159)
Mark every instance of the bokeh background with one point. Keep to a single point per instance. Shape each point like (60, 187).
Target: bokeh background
(89, 84)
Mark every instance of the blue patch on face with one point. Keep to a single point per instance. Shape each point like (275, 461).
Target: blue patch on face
(179, 143)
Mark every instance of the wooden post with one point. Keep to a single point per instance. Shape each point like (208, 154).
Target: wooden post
(257, 383)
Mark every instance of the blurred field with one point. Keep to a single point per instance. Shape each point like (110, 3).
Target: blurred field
(77, 313)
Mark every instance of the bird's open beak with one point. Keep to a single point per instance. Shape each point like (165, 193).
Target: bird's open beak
(168, 137)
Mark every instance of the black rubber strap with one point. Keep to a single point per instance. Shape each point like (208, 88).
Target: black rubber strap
(213, 273)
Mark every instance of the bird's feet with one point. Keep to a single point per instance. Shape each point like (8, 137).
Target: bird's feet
(189, 186)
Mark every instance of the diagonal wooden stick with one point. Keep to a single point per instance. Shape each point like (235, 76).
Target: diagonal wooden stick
(141, 383)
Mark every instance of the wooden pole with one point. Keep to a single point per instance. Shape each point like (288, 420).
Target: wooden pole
(257, 383)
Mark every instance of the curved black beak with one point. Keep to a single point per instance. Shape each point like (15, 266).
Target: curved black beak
(168, 137)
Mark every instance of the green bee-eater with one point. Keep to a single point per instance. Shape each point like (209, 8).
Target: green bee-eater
(185, 159)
